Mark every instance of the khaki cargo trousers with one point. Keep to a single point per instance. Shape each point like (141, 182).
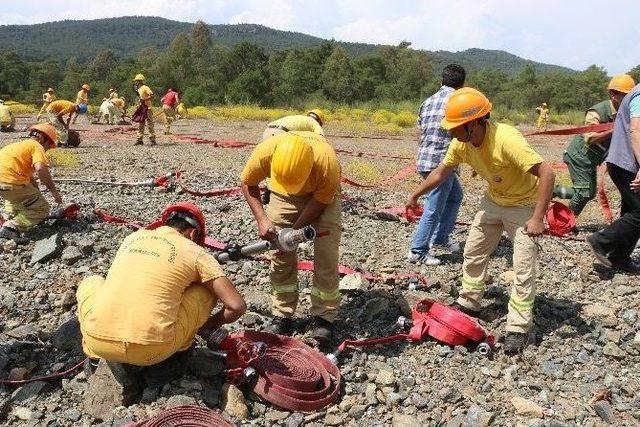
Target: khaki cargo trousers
(325, 296)
(24, 205)
(484, 236)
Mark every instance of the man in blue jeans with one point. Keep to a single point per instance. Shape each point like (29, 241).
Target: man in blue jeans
(443, 202)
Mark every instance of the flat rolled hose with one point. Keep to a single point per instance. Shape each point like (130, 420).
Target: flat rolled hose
(291, 374)
(185, 416)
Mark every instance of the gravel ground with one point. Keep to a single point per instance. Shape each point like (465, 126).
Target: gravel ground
(581, 368)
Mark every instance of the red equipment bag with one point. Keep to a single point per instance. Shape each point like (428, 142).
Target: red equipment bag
(141, 113)
(73, 138)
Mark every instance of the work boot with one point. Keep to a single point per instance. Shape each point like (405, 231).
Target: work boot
(598, 250)
(457, 306)
(138, 142)
(9, 233)
(515, 342)
(321, 330)
(629, 266)
(280, 326)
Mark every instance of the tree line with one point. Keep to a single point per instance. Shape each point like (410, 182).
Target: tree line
(207, 73)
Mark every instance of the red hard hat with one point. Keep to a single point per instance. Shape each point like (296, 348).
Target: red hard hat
(560, 218)
(193, 212)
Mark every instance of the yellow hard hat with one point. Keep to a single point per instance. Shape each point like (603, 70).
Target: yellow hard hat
(318, 113)
(464, 105)
(139, 77)
(291, 164)
(86, 87)
(621, 83)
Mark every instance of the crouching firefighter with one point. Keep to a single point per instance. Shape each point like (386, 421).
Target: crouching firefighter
(24, 205)
(158, 294)
(520, 183)
(304, 178)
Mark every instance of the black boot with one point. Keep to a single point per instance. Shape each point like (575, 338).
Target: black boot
(515, 342)
(280, 326)
(9, 233)
(321, 331)
(465, 310)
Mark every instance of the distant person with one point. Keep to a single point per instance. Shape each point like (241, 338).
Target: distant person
(57, 110)
(24, 205)
(120, 110)
(47, 98)
(107, 112)
(543, 116)
(113, 94)
(613, 245)
(170, 101)
(310, 122)
(158, 295)
(586, 152)
(145, 99)
(519, 182)
(7, 121)
(442, 204)
(82, 98)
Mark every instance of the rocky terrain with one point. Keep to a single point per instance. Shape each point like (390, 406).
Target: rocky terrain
(581, 368)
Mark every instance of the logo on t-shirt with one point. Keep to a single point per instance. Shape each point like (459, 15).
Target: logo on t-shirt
(497, 178)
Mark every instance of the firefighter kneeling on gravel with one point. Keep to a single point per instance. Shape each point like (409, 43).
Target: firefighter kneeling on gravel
(304, 178)
(520, 185)
(158, 294)
(24, 205)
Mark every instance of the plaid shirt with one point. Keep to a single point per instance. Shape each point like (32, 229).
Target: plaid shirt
(434, 141)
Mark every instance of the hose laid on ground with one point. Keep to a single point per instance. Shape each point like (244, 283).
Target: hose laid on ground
(184, 416)
(44, 377)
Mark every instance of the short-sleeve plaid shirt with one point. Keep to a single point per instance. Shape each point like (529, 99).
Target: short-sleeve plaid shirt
(434, 140)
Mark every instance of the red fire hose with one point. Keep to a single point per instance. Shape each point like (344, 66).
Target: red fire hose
(185, 416)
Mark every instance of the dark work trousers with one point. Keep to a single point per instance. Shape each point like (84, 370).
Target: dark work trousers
(620, 238)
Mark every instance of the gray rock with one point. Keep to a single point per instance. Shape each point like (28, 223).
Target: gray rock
(86, 246)
(4, 360)
(294, 420)
(351, 282)
(233, 402)
(23, 332)
(357, 411)
(604, 411)
(9, 245)
(203, 363)
(47, 249)
(71, 254)
(67, 337)
(385, 377)
(180, 400)
(404, 420)
(72, 414)
(619, 280)
(22, 413)
(612, 350)
(4, 407)
(110, 386)
(478, 417)
(28, 392)
(449, 395)
(334, 419)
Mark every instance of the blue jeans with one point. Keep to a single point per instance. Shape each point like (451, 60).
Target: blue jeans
(441, 208)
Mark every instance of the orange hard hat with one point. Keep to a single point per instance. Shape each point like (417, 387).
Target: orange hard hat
(621, 83)
(191, 214)
(48, 130)
(560, 218)
(464, 105)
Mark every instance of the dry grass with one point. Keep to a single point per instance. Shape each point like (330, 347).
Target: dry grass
(63, 158)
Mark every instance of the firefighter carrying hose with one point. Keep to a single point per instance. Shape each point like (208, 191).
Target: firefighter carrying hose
(24, 205)
(586, 152)
(304, 176)
(158, 294)
(520, 185)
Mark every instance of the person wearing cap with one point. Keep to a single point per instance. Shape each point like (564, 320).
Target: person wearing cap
(304, 178)
(82, 98)
(586, 152)
(543, 116)
(158, 294)
(614, 245)
(24, 205)
(520, 183)
(312, 121)
(57, 110)
(7, 121)
(145, 97)
(113, 94)
(441, 205)
(47, 98)
(170, 101)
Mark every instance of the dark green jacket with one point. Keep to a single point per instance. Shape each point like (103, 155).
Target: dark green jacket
(593, 154)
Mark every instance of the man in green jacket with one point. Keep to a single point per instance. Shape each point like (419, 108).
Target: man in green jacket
(586, 152)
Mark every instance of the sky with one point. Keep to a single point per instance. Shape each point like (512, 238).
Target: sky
(573, 33)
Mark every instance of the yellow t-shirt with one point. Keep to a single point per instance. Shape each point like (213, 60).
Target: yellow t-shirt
(61, 106)
(5, 115)
(298, 123)
(324, 180)
(141, 295)
(503, 160)
(145, 94)
(82, 97)
(18, 161)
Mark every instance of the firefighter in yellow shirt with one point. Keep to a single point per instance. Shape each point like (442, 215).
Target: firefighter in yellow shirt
(56, 112)
(520, 184)
(311, 122)
(158, 295)
(543, 116)
(145, 96)
(47, 98)
(82, 98)
(24, 205)
(304, 175)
